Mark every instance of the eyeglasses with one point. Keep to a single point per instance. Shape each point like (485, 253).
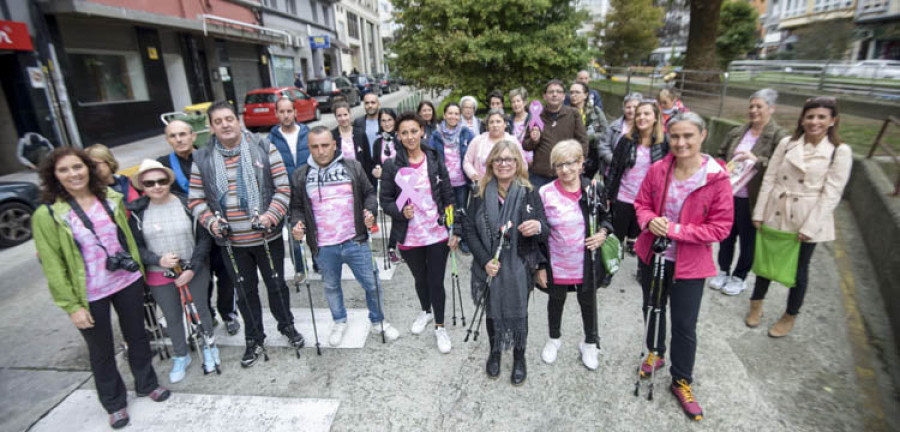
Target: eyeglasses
(504, 161)
(152, 183)
(568, 165)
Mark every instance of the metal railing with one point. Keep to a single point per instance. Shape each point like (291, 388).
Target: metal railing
(887, 149)
(871, 78)
(702, 91)
(411, 102)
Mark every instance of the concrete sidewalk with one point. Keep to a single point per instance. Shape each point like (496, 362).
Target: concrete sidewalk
(824, 376)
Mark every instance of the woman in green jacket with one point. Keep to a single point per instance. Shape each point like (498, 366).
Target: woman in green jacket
(92, 265)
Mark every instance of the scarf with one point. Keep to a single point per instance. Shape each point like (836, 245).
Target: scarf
(247, 187)
(508, 294)
(451, 136)
(387, 145)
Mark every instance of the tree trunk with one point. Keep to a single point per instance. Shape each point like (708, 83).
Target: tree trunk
(701, 45)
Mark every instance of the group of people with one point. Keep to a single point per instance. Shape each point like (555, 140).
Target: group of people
(532, 196)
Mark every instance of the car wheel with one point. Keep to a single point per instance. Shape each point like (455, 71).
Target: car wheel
(318, 115)
(15, 223)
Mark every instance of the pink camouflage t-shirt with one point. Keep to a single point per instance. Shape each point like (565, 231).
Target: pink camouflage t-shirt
(747, 143)
(678, 192)
(423, 229)
(633, 177)
(453, 160)
(566, 240)
(348, 150)
(101, 283)
(332, 206)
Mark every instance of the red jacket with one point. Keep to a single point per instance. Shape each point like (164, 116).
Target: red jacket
(706, 218)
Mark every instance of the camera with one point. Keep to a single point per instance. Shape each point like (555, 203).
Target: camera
(121, 261)
(660, 244)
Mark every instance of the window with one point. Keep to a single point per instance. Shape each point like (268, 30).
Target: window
(873, 5)
(341, 30)
(827, 5)
(314, 5)
(291, 6)
(107, 76)
(299, 95)
(352, 25)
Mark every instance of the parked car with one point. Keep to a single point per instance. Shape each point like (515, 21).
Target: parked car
(259, 107)
(387, 83)
(17, 202)
(325, 90)
(365, 84)
(874, 69)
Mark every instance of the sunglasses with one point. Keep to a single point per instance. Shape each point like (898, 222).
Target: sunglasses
(152, 183)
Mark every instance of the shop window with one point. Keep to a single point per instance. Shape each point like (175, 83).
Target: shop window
(105, 76)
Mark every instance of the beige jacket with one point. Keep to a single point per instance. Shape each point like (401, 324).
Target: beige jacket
(802, 187)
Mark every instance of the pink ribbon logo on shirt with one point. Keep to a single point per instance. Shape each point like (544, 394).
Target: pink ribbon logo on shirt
(535, 109)
(406, 179)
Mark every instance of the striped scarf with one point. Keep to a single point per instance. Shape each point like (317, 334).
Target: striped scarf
(247, 186)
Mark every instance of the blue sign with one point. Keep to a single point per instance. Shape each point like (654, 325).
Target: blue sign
(317, 42)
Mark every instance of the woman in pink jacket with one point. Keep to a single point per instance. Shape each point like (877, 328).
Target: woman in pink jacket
(686, 197)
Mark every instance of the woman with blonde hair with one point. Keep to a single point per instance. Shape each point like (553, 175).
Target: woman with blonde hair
(107, 165)
(572, 267)
(505, 199)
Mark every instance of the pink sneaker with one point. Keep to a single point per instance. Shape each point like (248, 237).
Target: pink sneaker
(653, 363)
(682, 390)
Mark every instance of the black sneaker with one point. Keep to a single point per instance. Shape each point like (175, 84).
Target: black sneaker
(293, 336)
(232, 326)
(252, 353)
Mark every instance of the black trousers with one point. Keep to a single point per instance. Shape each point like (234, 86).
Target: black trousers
(428, 265)
(129, 305)
(224, 284)
(685, 296)
(249, 259)
(744, 230)
(798, 292)
(587, 300)
(625, 221)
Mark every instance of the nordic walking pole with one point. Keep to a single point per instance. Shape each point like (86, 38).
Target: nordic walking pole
(646, 334)
(657, 310)
(294, 261)
(377, 282)
(193, 320)
(312, 312)
(225, 231)
(504, 233)
(384, 242)
(256, 224)
(454, 277)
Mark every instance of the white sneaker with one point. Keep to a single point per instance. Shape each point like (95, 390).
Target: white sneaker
(590, 355)
(734, 286)
(418, 326)
(443, 340)
(717, 282)
(337, 333)
(550, 350)
(390, 333)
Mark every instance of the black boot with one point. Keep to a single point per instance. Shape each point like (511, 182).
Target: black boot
(493, 362)
(518, 373)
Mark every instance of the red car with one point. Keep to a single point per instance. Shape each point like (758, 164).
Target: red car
(259, 107)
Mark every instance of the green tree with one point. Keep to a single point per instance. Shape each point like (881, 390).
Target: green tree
(629, 33)
(737, 31)
(476, 46)
(824, 40)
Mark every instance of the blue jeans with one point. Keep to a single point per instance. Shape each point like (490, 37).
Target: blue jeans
(461, 196)
(359, 258)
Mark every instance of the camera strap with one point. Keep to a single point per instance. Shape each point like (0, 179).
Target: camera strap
(90, 225)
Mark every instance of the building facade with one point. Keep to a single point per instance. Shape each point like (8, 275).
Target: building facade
(359, 25)
(878, 25)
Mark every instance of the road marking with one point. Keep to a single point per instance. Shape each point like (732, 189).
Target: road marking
(873, 414)
(81, 411)
(357, 329)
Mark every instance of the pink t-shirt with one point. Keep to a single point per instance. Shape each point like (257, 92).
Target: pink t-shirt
(519, 133)
(633, 177)
(101, 283)
(678, 192)
(453, 160)
(747, 143)
(333, 210)
(566, 240)
(423, 229)
(388, 150)
(347, 147)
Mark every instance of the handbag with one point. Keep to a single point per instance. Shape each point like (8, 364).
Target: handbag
(776, 255)
(611, 252)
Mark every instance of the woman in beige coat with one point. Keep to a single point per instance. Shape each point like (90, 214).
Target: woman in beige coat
(802, 187)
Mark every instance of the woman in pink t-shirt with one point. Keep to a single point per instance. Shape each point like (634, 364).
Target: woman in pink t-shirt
(480, 147)
(572, 250)
(643, 145)
(75, 235)
(350, 146)
(417, 174)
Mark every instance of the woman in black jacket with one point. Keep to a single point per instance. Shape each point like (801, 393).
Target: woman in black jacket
(505, 198)
(168, 237)
(417, 176)
(352, 146)
(644, 144)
